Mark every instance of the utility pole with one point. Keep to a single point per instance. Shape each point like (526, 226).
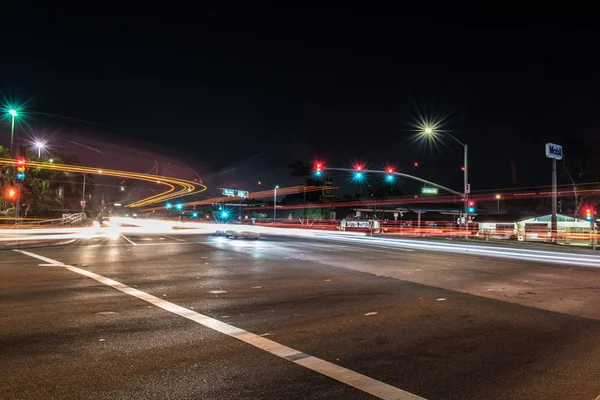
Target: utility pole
(305, 203)
(275, 203)
(83, 196)
(102, 208)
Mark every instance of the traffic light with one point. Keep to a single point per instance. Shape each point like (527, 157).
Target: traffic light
(318, 168)
(168, 205)
(195, 214)
(416, 164)
(471, 209)
(20, 168)
(390, 174)
(358, 171)
(179, 206)
(11, 193)
(589, 213)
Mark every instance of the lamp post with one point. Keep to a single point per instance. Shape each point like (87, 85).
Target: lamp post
(275, 202)
(498, 197)
(430, 132)
(13, 114)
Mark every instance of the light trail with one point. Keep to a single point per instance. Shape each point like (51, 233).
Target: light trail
(256, 195)
(175, 187)
(148, 226)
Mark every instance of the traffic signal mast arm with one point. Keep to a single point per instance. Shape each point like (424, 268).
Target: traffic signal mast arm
(386, 172)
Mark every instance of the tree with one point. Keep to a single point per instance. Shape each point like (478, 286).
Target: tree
(6, 180)
(581, 165)
(47, 190)
(304, 171)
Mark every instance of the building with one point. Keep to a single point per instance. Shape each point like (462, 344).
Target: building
(570, 229)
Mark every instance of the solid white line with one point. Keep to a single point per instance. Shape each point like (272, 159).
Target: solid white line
(341, 374)
(129, 240)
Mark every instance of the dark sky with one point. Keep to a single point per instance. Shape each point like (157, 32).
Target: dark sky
(213, 86)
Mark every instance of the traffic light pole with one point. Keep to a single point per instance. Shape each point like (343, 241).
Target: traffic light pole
(12, 134)
(415, 178)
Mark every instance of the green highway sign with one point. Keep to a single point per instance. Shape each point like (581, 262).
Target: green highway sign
(429, 190)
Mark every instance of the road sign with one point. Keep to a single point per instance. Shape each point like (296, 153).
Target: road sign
(235, 193)
(468, 188)
(429, 190)
(554, 151)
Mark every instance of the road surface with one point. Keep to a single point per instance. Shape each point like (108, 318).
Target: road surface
(154, 316)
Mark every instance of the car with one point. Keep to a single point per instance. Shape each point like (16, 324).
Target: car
(235, 234)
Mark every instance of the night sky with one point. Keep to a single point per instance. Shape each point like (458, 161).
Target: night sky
(211, 87)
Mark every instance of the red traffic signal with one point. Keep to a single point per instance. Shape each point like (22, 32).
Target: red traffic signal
(416, 164)
(390, 170)
(318, 168)
(11, 193)
(20, 161)
(358, 167)
(471, 203)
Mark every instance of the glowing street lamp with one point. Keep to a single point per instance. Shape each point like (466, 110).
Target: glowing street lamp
(498, 197)
(40, 146)
(430, 132)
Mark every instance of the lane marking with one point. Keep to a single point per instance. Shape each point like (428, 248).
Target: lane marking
(140, 244)
(176, 238)
(129, 240)
(340, 374)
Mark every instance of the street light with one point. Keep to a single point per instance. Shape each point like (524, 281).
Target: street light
(498, 197)
(431, 132)
(275, 202)
(40, 146)
(13, 114)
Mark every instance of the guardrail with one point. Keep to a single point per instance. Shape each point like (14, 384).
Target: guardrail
(66, 220)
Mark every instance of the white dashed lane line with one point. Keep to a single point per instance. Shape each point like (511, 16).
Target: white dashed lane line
(341, 374)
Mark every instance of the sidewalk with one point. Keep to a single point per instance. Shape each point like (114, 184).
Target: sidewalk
(541, 246)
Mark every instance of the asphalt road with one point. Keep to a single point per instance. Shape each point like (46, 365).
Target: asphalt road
(434, 324)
